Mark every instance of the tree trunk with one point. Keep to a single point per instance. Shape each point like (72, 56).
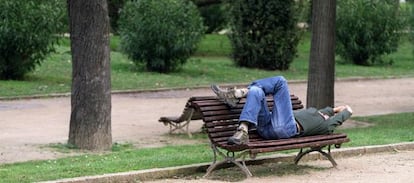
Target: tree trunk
(90, 120)
(321, 76)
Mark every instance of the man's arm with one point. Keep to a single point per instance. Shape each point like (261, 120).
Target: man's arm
(342, 113)
(328, 111)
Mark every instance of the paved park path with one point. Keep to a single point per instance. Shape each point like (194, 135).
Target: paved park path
(28, 125)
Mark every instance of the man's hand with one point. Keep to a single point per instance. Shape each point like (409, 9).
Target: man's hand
(349, 108)
(341, 108)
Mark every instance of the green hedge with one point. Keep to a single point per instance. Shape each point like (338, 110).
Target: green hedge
(162, 35)
(264, 33)
(367, 30)
(28, 29)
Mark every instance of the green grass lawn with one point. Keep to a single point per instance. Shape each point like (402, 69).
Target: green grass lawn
(385, 129)
(210, 64)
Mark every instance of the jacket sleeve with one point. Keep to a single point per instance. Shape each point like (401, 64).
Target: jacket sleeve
(328, 111)
(339, 118)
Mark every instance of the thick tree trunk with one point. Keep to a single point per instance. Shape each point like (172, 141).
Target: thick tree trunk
(321, 77)
(90, 120)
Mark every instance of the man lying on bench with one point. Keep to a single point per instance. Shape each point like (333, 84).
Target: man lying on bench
(282, 122)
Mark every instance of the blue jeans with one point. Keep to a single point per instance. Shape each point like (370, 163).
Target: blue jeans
(278, 124)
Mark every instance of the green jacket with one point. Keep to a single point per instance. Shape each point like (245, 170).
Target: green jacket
(313, 123)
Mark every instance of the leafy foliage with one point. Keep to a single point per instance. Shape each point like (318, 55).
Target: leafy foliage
(114, 7)
(214, 17)
(411, 23)
(366, 30)
(28, 30)
(160, 34)
(264, 33)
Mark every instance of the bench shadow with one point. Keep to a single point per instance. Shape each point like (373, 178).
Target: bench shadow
(351, 123)
(234, 174)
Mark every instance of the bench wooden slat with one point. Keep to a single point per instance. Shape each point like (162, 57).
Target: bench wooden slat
(212, 111)
(202, 98)
(217, 105)
(221, 112)
(281, 142)
(298, 146)
(204, 101)
(222, 117)
(232, 128)
(213, 124)
(223, 137)
(221, 134)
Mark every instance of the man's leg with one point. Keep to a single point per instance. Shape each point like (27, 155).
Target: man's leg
(255, 110)
(282, 123)
(278, 124)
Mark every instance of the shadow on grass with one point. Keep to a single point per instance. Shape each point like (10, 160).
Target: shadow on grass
(69, 148)
(234, 174)
(184, 136)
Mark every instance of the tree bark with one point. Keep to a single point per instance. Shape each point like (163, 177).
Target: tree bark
(321, 76)
(90, 120)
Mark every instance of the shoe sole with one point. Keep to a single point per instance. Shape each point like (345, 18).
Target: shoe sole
(222, 97)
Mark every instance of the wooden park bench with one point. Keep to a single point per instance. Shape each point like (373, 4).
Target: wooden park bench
(221, 123)
(182, 122)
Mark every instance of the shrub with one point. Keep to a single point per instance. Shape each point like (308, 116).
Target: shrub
(305, 12)
(114, 7)
(214, 17)
(366, 30)
(411, 24)
(160, 34)
(264, 33)
(28, 30)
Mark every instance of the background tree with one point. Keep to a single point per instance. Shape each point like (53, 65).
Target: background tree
(214, 17)
(264, 33)
(161, 35)
(90, 120)
(114, 8)
(28, 32)
(411, 22)
(321, 77)
(201, 3)
(366, 30)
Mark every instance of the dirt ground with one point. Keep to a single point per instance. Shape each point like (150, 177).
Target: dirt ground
(28, 125)
(379, 168)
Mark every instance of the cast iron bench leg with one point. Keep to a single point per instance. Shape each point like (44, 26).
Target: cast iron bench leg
(318, 149)
(228, 158)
